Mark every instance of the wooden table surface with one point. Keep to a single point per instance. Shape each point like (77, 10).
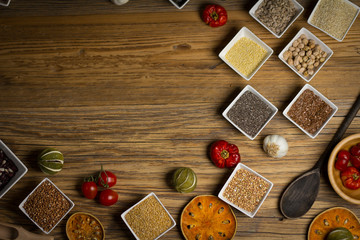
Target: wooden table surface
(140, 89)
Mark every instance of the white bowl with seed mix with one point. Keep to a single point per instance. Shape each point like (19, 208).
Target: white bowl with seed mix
(245, 190)
(334, 17)
(250, 112)
(305, 54)
(310, 111)
(8, 161)
(246, 53)
(283, 24)
(46, 205)
(148, 219)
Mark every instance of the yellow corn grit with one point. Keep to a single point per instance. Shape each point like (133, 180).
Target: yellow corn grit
(246, 55)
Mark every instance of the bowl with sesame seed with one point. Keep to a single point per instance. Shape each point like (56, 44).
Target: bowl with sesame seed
(246, 53)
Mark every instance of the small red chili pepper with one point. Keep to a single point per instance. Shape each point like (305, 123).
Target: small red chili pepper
(214, 15)
(224, 154)
(351, 178)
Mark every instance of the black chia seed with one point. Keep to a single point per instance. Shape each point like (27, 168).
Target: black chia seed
(250, 113)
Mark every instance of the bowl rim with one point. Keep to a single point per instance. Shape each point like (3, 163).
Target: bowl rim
(330, 167)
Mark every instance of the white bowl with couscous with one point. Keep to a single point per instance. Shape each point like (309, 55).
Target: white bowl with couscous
(245, 53)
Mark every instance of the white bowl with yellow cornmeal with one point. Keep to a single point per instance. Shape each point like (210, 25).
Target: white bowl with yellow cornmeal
(246, 53)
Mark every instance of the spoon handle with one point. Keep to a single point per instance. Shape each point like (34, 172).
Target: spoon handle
(339, 133)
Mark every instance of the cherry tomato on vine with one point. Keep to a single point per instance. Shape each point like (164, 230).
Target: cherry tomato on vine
(108, 197)
(106, 179)
(89, 189)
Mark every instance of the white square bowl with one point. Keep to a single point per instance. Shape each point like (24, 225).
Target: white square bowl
(252, 90)
(309, 36)
(176, 4)
(22, 169)
(322, 97)
(222, 197)
(149, 195)
(338, 39)
(21, 206)
(5, 3)
(244, 32)
(299, 9)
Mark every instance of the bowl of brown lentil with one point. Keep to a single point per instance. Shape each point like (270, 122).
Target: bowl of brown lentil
(246, 53)
(310, 111)
(305, 54)
(148, 219)
(46, 205)
(334, 17)
(245, 190)
(276, 15)
(250, 112)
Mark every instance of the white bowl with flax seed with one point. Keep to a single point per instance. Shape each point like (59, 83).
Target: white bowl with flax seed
(245, 190)
(246, 53)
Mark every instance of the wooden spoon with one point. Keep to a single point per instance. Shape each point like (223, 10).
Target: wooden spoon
(14, 232)
(300, 195)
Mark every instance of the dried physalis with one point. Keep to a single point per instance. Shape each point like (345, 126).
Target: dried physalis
(208, 217)
(335, 222)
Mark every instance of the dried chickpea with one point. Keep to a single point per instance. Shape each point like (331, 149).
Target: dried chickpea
(302, 36)
(311, 72)
(290, 61)
(295, 44)
(305, 41)
(311, 66)
(301, 70)
(301, 45)
(309, 53)
(316, 64)
(322, 59)
(298, 67)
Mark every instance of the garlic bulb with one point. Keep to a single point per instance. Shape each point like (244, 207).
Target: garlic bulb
(275, 146)
(119, 2)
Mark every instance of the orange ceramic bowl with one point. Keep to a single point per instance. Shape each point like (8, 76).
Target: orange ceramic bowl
(349, 195)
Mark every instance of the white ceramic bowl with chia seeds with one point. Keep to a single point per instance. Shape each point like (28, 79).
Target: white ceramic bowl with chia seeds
(309, 36)
(259, 203)
(322, 97)
(298, 8)
(245, 32)
(22, 169)
(266, 103)
(21, 206)
(123, 216)
(179, 4)
(311, 17)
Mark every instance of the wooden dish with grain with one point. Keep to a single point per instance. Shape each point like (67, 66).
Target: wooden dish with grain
(349, 195)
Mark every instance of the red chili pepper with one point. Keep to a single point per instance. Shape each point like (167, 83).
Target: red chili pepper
(214, 15)
(224, 154)
(351, 178)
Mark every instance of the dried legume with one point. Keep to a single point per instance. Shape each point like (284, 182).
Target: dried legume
(246, 190)
(334, 17)
(7, 169)
(246, 55)
(148, 219)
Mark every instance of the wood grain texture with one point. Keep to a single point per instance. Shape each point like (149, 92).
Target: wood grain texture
(140, 89)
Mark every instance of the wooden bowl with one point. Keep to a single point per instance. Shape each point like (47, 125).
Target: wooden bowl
(349, 195)
(87, 223)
